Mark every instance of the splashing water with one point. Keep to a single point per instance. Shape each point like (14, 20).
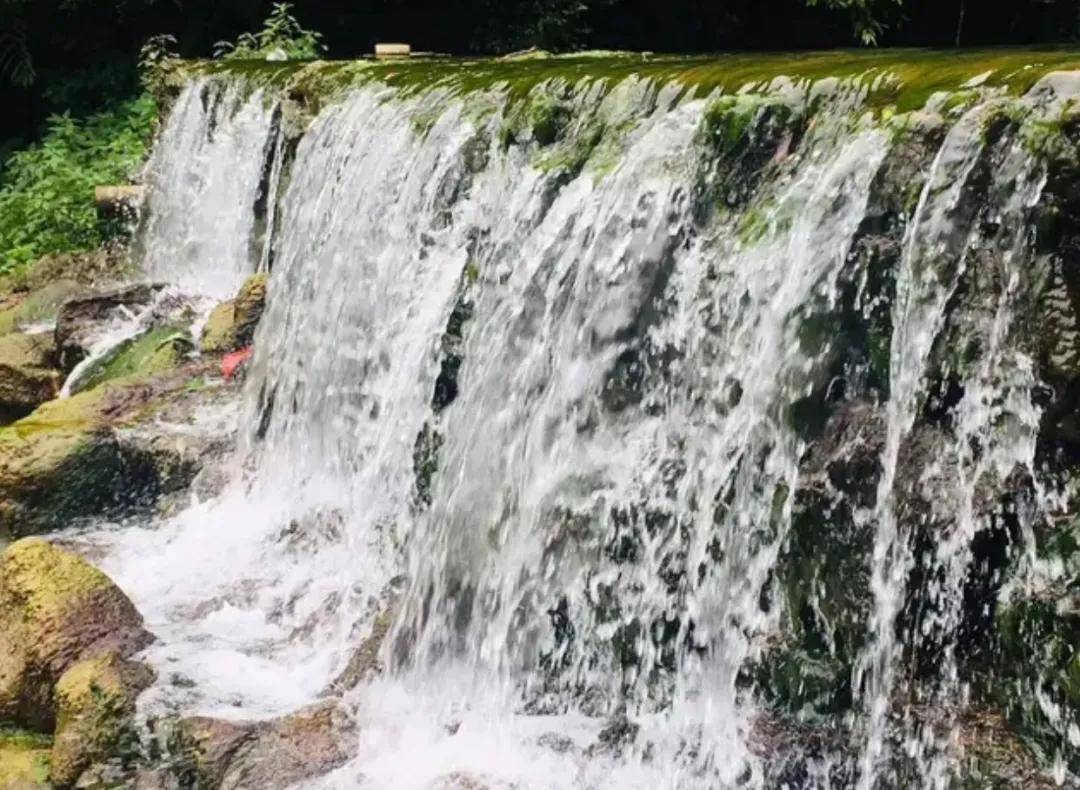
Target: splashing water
(210, 174)
(542, 407)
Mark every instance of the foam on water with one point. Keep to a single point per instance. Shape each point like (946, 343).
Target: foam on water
(542, 409)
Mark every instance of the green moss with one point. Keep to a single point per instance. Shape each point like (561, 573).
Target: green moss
(45, 579)
(154, 352)
(12, 738)
(904, 79)
(23, 767)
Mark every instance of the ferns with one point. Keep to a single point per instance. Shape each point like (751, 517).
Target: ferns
(15, 62)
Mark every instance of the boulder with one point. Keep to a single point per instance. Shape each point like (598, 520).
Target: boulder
(56, 611)
(40, 306)
(24, 760)
(87, 268)
(95, 452)
(232, 324)
(155, 351)
(269, 755)
(28, 376)
(82, 318)
(95, 710)
(60, 462)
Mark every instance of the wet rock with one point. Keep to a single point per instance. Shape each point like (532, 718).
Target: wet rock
(95, 709)
(460, 780)
(55, 611)
(24, 760)
(60, 462)
(156, 351)
(98, 267)
(848, 456)
(96, 453)
(364, 664)
(28, 375)
(232, 324)
(275, 754)
(38, 307)
(207, 747)
(80, 319)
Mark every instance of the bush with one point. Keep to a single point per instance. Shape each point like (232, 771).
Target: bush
(46, 190)
(281, 38)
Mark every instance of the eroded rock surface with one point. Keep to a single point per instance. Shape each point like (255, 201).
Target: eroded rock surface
(56, 611)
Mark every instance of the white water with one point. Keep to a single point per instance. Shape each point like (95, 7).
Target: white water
(619, 460)
(205, 178)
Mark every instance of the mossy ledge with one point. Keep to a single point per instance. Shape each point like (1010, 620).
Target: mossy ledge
(902, 79)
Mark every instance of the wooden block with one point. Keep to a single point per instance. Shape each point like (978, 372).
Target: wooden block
(386, 51)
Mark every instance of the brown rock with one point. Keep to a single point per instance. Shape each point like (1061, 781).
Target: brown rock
(95, 711)
(28, 375)
(55, 611)
(80, 318)
(232, 324)
(267, 755)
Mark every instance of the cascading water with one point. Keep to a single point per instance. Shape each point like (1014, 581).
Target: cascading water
(536, 391)
(217, 158)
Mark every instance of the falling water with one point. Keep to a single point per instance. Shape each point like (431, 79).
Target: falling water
(541, 404)
(212, 167)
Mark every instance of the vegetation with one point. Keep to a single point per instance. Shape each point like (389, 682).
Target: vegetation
(282, 38)
(46, 189)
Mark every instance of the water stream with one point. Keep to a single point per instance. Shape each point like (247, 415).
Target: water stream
(546, 408)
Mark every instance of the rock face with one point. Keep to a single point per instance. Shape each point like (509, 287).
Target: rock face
(275, 754)
(39, 306)
(86, 454)
(155, 351)
(55, 612)
(232, 324)
(28, 375)
(24, 760)
(81, 318)
(95, 707)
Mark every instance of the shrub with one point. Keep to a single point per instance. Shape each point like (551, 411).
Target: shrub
(46, 190)
(282, 37)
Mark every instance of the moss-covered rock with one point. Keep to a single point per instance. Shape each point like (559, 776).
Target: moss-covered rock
(232, 324)
(39, 306)
(55, 611)
(24, 760)
(155, 351)
(80, 319)
(95, 708)
(94, 453)
(60, 462)
(99, 267)
(28, 375)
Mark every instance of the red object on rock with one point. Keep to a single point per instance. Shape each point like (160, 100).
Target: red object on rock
(232, 363)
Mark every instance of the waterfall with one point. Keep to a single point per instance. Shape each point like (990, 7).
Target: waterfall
(213, 165)
(540, 389)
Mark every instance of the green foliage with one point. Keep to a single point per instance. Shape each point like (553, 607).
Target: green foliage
(281, 38)
(868, 17)
(46, 190)
(555, 25)
(155, 57)
(15, 61)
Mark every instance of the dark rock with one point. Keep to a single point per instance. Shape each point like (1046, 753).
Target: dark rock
(80, 318)
(28, 373)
